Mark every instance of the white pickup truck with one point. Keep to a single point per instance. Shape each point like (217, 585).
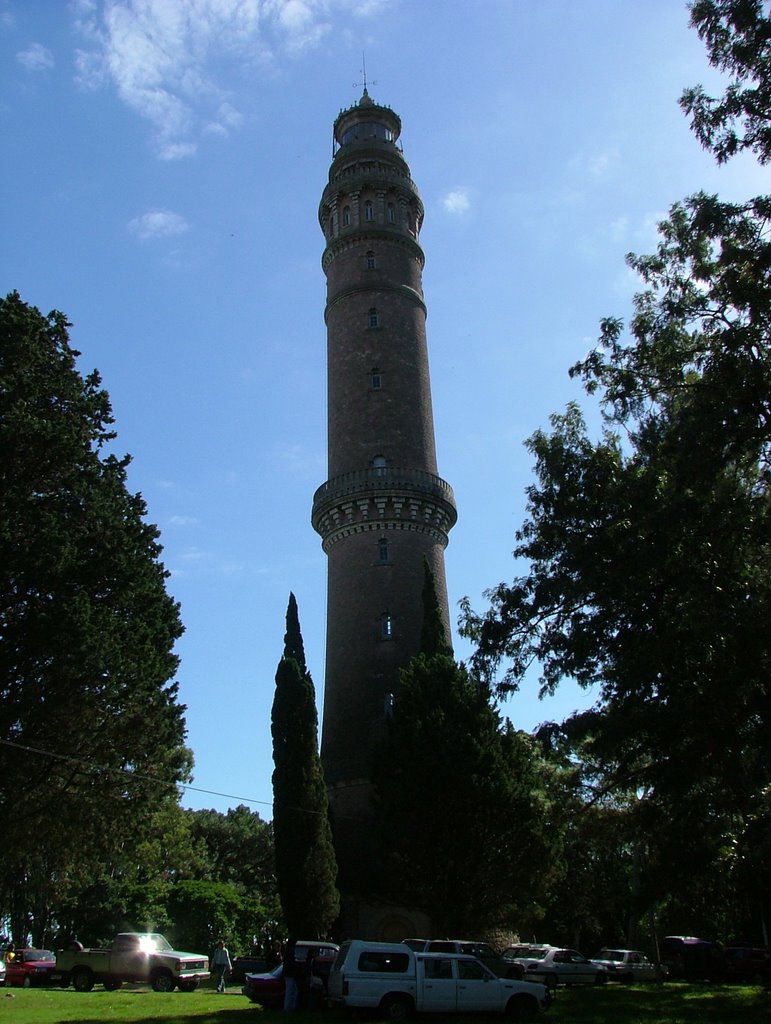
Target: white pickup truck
(133, 956)
(396, 981)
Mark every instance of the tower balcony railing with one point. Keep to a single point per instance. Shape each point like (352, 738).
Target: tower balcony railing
(382, 478)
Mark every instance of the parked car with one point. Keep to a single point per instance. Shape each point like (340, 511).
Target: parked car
(267, 987)
(31, 967)
(554, 965)
(691, 958)
(748, 963)
(471, 947)
(396, 982)
(629, 965)
(247, 964)
(133, 956)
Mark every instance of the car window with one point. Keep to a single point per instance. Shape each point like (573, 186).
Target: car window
(377, 960)
(439, 968)
(471, 970)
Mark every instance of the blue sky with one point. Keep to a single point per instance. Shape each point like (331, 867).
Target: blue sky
(162, 166)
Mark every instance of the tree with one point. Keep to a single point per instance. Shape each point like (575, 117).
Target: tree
(306, 869)
(461, 804)
(433, 636)
(91, 730)
(649, 549)
(237, 848)
(738, 38)
(649, 577)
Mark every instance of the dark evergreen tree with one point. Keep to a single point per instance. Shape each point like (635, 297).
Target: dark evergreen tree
(461, 804)
(91, 730)
(306, 869)
(433, 636)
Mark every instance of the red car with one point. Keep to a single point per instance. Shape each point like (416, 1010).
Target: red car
(268, 989)
(31, 967)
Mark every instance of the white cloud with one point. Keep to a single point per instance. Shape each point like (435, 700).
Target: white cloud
(161, 55)
(457, 201)
(36, 57)
(183, 521)
(158, 224)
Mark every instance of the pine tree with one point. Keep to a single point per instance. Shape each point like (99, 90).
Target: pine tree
(306, 869)
(91, 731)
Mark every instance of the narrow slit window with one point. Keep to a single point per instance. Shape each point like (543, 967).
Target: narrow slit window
(346, 216)
(391, 213)
(386, 627)
(372, 318)
(371, 264)
(369, 213)
(382, 549)
(376, 379)
(379, 465)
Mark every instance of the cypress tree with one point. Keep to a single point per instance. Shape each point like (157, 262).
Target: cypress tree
(433, 636)
(306, 869)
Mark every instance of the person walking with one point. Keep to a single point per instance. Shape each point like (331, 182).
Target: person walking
(221, 964)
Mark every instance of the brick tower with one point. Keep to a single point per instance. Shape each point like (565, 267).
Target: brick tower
(383, 509)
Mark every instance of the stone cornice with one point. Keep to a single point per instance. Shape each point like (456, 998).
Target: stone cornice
(355, 238)
(403, 289)
(390, 499)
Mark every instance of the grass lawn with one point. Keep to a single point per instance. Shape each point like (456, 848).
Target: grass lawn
(610, 1004)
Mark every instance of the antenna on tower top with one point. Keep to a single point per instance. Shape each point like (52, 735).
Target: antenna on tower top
(364, 76)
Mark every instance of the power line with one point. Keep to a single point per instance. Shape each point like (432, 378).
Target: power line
(91, 765)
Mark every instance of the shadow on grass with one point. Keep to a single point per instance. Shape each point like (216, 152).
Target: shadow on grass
(672, 1003)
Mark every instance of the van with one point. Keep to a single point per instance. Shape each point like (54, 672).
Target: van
(397, 981)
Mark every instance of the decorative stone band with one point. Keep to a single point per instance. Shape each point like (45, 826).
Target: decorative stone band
(383, 499)
(356, 239)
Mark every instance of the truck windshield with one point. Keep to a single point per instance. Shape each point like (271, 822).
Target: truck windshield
(154, 943)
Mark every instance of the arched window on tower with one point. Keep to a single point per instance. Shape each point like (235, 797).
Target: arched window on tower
(346, 216)
(372, 318)
(371, 263)
(379, 465)
(391, 213)
(369, 213)
(382, 550)
(386, 627)
(376, 379)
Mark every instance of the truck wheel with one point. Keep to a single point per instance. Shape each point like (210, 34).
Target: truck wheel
(112, 984)
(162, 981)
(189, 985)
(396, 1009)
(522, 1007)
(82, 979)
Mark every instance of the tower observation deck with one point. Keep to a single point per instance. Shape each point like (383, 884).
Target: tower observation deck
(384, 508)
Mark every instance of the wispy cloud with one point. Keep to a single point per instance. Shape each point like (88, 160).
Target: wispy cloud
(164, 57)
(183, 521)
(36, 57)
(457, 201)
(158, 224)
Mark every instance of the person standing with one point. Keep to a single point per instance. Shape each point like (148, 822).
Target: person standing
(221, 964)
(289, 972)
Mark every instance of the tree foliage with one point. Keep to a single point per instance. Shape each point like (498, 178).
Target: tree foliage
(649, 548)
(738, 38)
(461, 803)
(433, 635)
(306, 868)
(91, 730)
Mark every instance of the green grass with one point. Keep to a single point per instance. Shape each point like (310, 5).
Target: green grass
(611, 1004)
